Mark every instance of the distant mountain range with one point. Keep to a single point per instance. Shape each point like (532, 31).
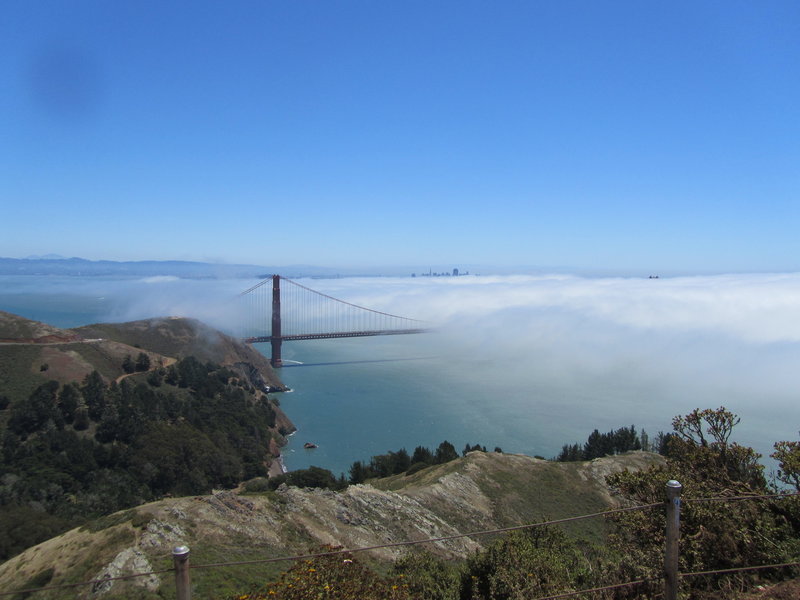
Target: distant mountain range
(53, 264)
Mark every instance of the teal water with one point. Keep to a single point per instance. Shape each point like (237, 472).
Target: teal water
(524, 392)
(366, 396)
(353, 398)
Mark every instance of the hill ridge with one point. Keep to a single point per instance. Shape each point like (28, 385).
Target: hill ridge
(467, 494)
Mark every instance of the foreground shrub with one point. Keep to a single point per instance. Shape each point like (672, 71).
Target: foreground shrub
(334, 577)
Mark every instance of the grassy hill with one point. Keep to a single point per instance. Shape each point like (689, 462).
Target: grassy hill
(32, 353)
(104, 418)
(471, 493)
(180, 337)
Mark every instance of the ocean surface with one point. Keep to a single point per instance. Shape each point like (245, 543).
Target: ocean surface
(549, 379)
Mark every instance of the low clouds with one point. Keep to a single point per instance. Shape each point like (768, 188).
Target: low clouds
(615, 351)
(569, 352)
(751, 308)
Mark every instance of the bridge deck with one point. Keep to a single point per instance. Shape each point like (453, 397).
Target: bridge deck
(341, 334)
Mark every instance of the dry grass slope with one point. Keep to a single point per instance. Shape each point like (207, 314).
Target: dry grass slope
(479, 491)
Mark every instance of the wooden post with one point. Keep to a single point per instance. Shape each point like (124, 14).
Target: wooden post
(673, 538)
(183, 582)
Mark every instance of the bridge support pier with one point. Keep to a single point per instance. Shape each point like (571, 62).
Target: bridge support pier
(275, 360)
(275, 339)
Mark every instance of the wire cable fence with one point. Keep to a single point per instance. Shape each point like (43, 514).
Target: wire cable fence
(181, 566)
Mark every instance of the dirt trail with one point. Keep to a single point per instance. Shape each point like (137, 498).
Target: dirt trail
(165, 360)
(39, 342)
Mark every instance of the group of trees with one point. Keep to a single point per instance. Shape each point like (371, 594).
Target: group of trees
(312, 477)
(381, 465)
(615, 441)
(394, 463)
(716, 534)
(545, 561)
(142, 363)
(78, 451)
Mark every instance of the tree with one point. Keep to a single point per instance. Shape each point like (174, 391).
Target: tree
(156, 377)
(402, 461)
(81, 421)
(358, 472)
(529, 564)
(312, 477)
(127, 364)
(570, 453)
(338, 577)
(445, 452)
(172, 376)
(36, 411)
(476, 447)
(714, 535)
(93, 390)
(596, 445)
(142, 362)
(422, 455)
(68, 400)
(717, 423)
(428, 576)
(788, 456)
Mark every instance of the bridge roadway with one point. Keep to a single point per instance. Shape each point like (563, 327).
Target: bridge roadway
(324, 336)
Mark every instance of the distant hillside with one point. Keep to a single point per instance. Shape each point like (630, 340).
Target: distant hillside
(146, 268)
(14, 328)
(32, 353)
(80, 267)
(479, 491)
(180, 337)
(106, 417)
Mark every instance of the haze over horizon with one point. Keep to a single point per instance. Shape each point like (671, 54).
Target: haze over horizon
(623, 138)
(522, 352)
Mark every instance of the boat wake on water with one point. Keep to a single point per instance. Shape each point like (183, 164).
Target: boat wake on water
(352, 362)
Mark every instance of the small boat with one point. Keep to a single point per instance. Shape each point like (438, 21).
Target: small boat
(309, 445)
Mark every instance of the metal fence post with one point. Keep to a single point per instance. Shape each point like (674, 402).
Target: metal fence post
(673, 538)
(183, 582)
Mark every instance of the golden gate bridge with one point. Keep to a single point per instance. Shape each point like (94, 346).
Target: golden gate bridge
(296, 312)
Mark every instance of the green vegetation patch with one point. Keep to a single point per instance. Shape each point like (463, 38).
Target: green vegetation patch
(226, 581)
(41, 579)
(544, 492)
(17, 376)
(106, 363)
(107, 521)
(80, 451)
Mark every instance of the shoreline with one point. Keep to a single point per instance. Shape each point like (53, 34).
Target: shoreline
(277, 467)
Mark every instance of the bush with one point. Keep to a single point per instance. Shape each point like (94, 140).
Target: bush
(257, 485)
(313, 477)
(335, 577)
(416, 468)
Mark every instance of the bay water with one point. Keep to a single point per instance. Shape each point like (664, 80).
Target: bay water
(527, 389)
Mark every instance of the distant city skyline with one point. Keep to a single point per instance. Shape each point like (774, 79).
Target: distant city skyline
(623, 138)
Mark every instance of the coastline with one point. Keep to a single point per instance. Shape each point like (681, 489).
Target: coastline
(277, 467)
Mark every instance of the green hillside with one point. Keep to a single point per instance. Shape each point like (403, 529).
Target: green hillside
(91, 425)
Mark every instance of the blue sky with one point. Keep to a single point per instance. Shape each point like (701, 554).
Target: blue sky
(623, 136)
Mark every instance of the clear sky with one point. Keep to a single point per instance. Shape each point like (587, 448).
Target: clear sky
(595, 135)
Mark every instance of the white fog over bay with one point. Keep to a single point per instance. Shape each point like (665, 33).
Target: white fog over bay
(523, 362)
